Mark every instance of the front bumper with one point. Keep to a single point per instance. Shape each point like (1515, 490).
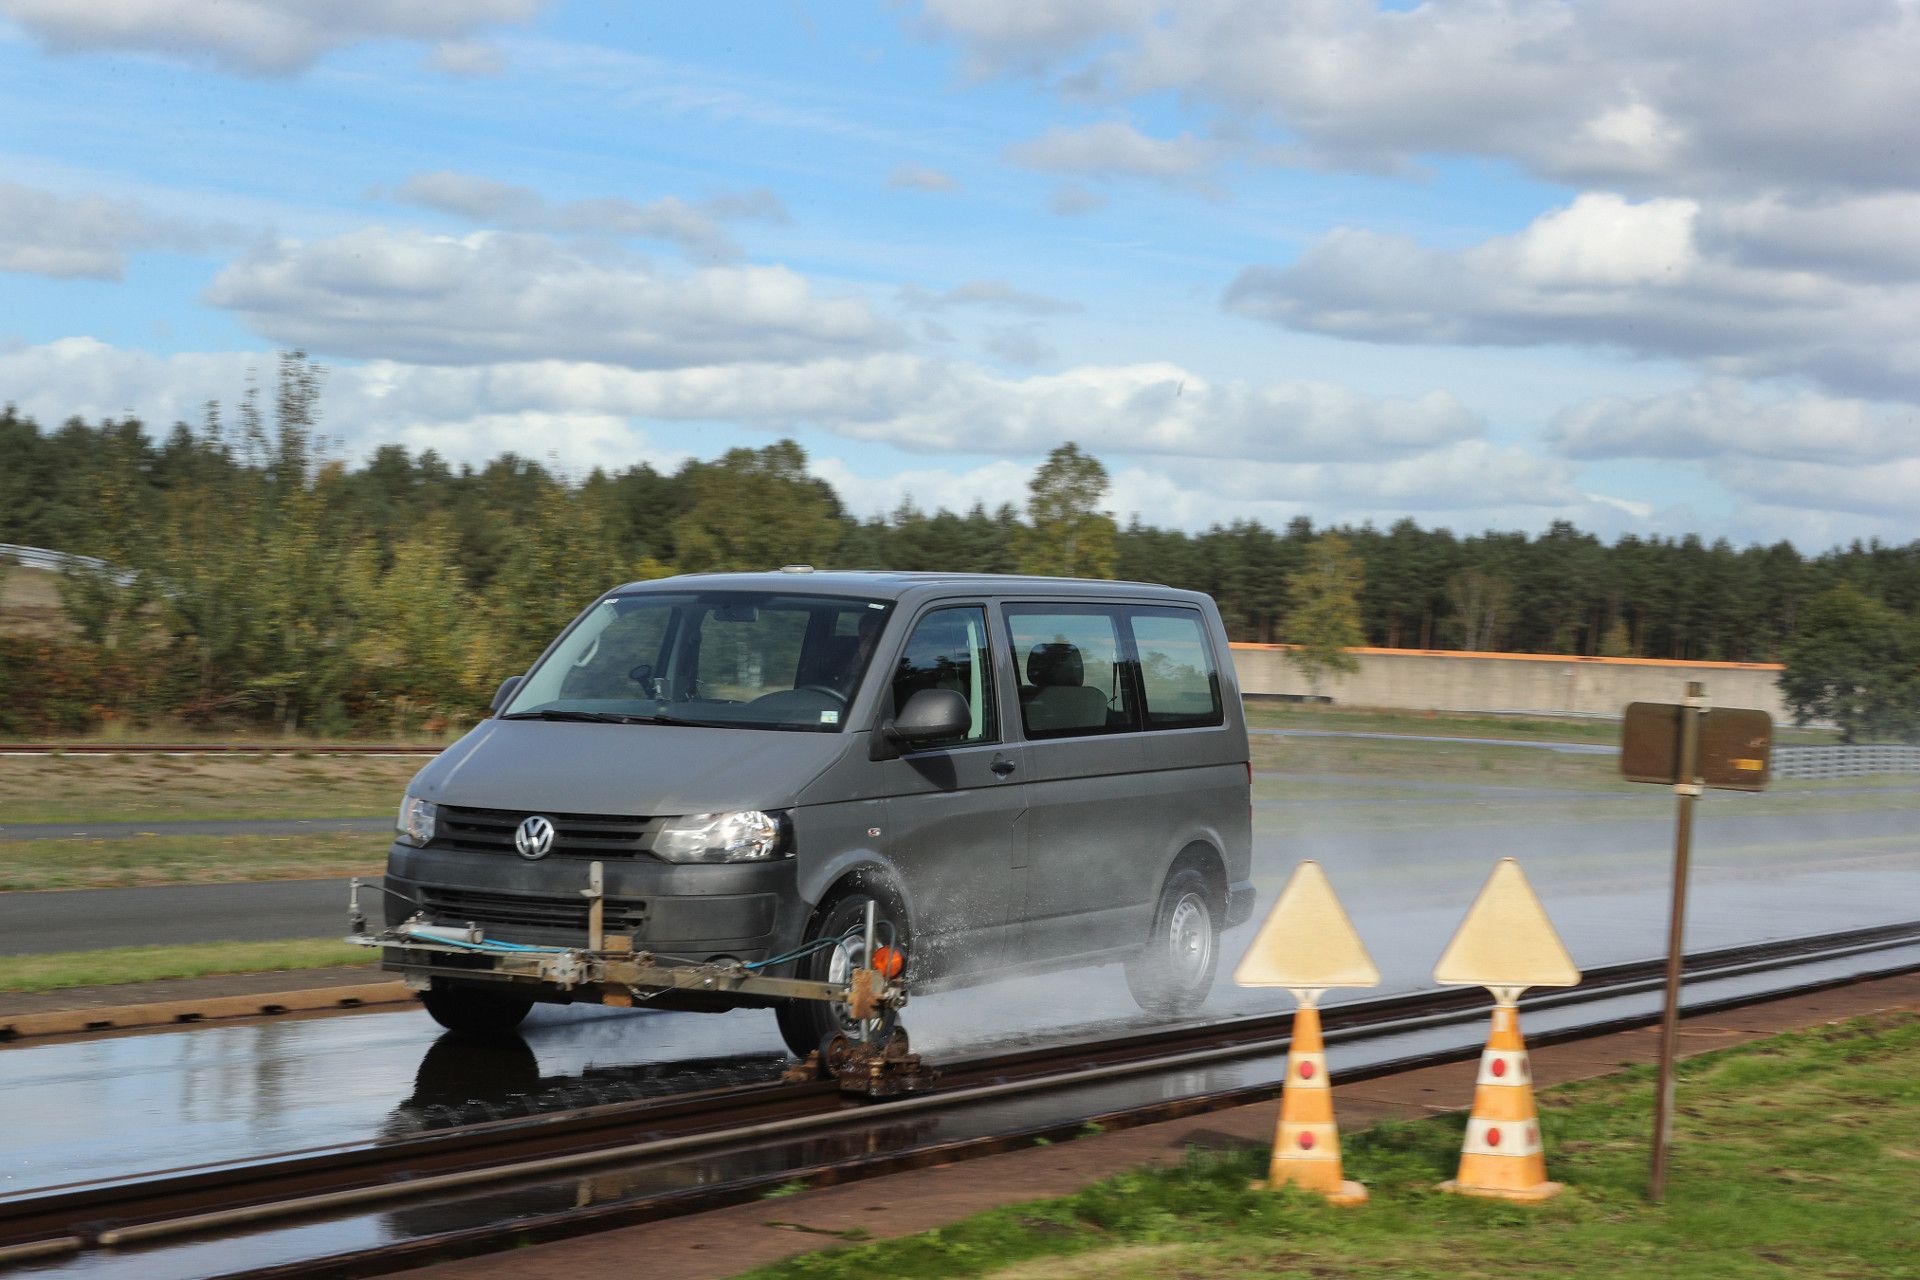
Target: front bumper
(743, 911)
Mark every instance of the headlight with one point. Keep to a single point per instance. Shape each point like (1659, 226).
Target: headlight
(751, 836)
(415, 823)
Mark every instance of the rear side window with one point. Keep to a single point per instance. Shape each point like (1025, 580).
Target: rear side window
(949, 650)
(1073, 670)
(1177, 671)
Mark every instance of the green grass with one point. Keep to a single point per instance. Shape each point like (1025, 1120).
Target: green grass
(163, 859)
(91, 788)
(1799, 1155)
(1465, 763)
(58, 970)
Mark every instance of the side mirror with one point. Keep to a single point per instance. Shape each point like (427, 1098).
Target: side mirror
(504, 694)
(929, 716)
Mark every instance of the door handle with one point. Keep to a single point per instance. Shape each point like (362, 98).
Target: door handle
(1001, 766)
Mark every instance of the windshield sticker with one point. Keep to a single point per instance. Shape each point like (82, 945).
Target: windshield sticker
(829, 717)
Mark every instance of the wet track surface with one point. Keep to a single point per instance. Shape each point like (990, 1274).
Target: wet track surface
(105, 1107)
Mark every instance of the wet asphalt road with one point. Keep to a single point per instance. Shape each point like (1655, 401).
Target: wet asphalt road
(89, 919)
(1603, 851)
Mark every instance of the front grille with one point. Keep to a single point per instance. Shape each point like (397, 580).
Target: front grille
(523, 912)
(575, 835)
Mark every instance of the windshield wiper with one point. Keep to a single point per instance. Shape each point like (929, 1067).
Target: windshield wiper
(595, 717)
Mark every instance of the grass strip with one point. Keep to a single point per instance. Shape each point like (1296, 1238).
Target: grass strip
(1796, 1155)
(1469, 724)
(162, 859)
(57, 970)
(131, 788)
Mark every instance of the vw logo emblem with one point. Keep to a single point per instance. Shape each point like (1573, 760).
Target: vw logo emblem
(534, 838)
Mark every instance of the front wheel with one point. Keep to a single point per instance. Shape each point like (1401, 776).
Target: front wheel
(474, 1011)
(1171, 976)
(805, 1024)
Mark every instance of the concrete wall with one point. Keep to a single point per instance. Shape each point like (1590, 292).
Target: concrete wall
(1440, 680)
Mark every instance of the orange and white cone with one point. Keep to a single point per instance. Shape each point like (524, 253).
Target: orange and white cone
(1306, 1148)
(1502, 1156)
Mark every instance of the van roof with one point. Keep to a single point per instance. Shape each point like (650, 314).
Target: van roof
(891, 584)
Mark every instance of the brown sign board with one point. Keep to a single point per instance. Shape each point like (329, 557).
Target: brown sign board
(1736, 746)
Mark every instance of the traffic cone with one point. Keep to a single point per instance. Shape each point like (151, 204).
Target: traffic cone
(1501, 1156)
(1306, 1148)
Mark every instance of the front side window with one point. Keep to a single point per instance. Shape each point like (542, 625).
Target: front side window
(754, 660)
(1073, 672)
(1177, 672)
(949, 650)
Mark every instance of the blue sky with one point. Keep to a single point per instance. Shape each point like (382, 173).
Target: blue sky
(1489, 264)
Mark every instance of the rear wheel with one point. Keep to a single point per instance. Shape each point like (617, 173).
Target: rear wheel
(474, 1011)
(805, 1024)
(1173, 973)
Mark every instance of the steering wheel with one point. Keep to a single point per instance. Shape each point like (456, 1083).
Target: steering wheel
(833, 693)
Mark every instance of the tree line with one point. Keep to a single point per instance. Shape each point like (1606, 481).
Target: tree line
(274, 582)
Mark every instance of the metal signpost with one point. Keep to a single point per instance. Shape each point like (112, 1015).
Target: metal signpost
(1689, 747)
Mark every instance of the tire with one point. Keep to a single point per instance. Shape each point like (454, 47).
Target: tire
(805, 1024)
(474, 1011)
(1171, 976)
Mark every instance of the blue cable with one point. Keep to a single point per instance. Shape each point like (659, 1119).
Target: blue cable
(487, 944)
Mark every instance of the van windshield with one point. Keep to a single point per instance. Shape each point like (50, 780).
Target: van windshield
(745, 659)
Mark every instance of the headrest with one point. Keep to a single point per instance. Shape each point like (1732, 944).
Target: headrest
(1055, 665)
(831, 662)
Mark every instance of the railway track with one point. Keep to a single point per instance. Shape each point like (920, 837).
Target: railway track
(701, 1150)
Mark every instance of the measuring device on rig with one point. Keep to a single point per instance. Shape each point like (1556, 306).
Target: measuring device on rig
(875, 1062)
(1688, 746)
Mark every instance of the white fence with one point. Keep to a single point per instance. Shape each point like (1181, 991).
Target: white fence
(1844, 762)
(58, 561)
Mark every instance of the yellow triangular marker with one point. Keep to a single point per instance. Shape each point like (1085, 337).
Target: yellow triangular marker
(1307, 941)
(1506, 939)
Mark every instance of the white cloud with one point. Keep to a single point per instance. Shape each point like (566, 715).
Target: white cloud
(695, 227)
(1869, 238)
(252, 37)
(469, 195)
(87, 378)
(867, 495)
(1070, 200)
(923, 405)
(84, 237)
(1113, 148)
(910, 177)
(495, 296)
(1009, 33)
(1710, 96)
(1020, 345)
(1886, 489)
(1181, 453)
(1721, 419)
(1634, 276)
(908, 402)
(474, 58)
(569, 443)
(994, 295)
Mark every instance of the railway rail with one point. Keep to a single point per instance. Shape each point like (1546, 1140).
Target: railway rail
(746, 1138)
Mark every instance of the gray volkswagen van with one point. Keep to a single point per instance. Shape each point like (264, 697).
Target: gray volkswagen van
(1023, 773)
